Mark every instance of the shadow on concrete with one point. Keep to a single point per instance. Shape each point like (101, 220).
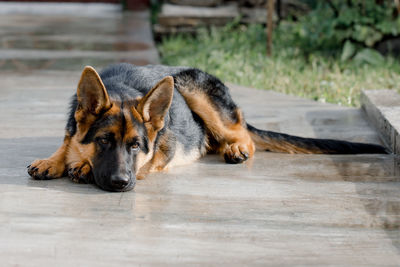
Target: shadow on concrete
(18, 153)
(376, 178)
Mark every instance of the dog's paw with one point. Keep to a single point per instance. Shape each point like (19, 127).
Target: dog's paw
(45, 169)
(80, 172)
(238, 152)
(235, 153)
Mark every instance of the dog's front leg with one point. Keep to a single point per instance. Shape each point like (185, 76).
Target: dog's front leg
(78, 161)
(51, 167)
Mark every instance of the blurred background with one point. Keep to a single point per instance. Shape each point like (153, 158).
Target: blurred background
(323, 50)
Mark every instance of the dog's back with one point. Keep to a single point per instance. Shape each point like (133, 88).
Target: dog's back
(141, 78)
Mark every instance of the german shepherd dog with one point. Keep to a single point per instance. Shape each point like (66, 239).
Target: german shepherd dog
(128, 121)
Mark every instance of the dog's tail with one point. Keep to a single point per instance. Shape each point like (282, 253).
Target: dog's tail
(279, 142)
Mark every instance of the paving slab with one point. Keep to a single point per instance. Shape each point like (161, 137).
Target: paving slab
(276, 209)
(383, 110)
(70, 9)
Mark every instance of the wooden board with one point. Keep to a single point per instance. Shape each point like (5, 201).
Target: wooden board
(174, 15)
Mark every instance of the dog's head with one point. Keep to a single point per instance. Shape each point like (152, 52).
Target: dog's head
(115, 134)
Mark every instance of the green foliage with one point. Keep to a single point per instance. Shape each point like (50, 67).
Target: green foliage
(347, 26)
(349, 50)
(236, 54)
(370, 56)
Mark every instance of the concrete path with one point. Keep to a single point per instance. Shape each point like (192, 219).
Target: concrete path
(277, 209)
(34, 42)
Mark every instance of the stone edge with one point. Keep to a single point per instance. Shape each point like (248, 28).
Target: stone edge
(377, 116)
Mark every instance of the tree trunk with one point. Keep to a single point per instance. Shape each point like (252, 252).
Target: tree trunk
(270, 25)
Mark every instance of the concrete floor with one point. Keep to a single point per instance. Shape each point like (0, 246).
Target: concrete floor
(277, 209)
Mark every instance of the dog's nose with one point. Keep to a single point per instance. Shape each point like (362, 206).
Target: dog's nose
(119, 182)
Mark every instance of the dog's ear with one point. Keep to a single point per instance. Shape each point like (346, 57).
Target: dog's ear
(92, 95)
(154, 106)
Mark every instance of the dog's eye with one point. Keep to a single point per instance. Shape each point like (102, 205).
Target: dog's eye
(104, 141)
(135, 146)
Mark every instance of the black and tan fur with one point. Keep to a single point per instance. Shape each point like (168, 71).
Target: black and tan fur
(129, 121)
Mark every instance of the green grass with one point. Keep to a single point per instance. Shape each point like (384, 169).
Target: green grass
(237, 54)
